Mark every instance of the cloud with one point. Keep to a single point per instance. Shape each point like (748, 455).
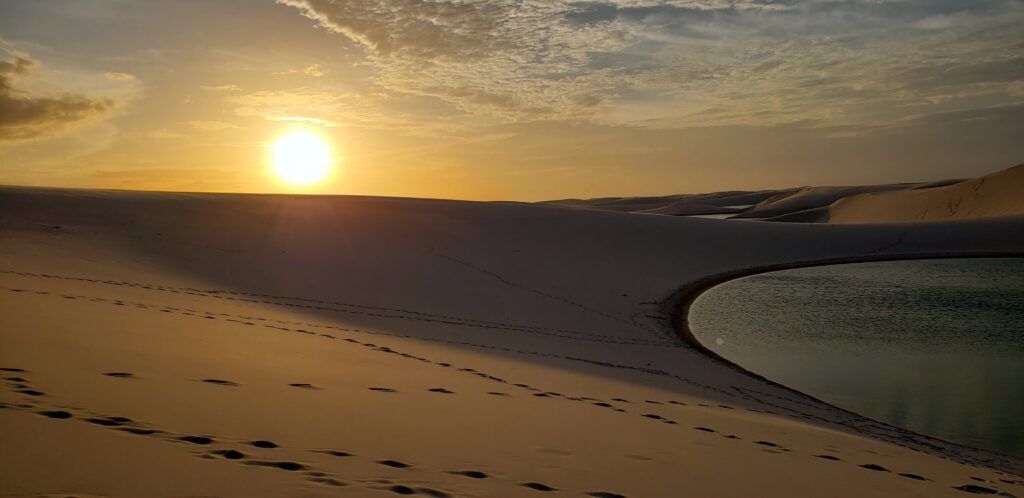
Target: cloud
(25, 116)
(684, 63)
(222, 88)
(116, 76)
(423, 29)
(201, 125)
(313, 70)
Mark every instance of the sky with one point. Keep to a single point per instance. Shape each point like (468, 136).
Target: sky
(510, 99)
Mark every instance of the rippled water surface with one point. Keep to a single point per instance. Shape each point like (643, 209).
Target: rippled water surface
(933, 346)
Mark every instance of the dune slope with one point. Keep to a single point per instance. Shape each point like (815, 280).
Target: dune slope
(998, 194)
(239, 345)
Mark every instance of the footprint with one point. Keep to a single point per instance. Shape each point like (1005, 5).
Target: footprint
(767, 443)
(302, 385)
(432, 492)
(913, 476)
(201, 440)
(655, 417)
(871, 466)
(9, 369)
(122, 375)
(605, 494)
(30, 392)
(705, 429)
(16, 379)
(336, 453)
(328, 481)
(441, 390)
(402, 490)
(974, 489)
(602, 404)
(383, 389)
(496, 393)
(475, 474)
(139, 432)
(221, 382)
(394, 463)
(109, 421)
(261, 443)
(827, 457)
(620, 400)
(230, 454)
(538, 486)
(289, 466)
(58, 414)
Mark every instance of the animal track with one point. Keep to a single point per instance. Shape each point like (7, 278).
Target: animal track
(122, 375)
(441, 390)
(261, 443)
(304, 386)
(383, 389)
(200, 440)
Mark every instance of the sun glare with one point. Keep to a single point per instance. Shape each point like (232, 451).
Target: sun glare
(302, 158)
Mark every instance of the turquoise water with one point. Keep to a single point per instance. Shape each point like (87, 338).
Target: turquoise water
(933, 346)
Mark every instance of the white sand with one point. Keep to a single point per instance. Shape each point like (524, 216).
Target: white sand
(998, 194)
(347, 294)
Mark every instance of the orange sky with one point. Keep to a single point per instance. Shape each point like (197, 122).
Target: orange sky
(496, 99)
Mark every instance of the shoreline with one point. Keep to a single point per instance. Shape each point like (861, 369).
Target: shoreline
(678, 304)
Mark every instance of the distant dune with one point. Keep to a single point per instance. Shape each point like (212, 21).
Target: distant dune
(998, 194)
(160, 344)
(809, 198)
(735, 201)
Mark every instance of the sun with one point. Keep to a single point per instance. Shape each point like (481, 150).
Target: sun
(302, 158)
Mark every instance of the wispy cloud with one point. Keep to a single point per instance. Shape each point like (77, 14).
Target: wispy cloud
(689, 62)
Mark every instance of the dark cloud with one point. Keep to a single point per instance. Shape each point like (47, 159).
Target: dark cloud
(24, 116)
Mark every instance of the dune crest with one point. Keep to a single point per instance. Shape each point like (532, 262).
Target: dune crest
(997, 194)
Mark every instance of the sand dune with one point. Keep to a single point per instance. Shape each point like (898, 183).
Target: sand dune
(240, 345)
(810, 198)
(675, 205)
(998, 194)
